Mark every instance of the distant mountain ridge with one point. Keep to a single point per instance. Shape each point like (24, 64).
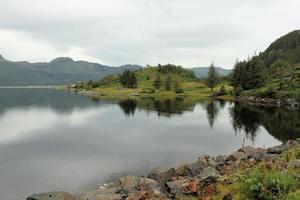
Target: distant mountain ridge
(201, 72)
(64, 70)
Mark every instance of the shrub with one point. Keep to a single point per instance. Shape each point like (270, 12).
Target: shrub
(221, 92)
(179, 90)
(270, 92)
(148, 91)
(238, 91)
(267, 186)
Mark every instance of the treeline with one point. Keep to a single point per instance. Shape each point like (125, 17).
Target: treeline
(272, 73)
(169, 68)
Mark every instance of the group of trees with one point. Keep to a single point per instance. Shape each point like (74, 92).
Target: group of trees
(179, 70)
(128, 79)
(169, 84)
(247, 75)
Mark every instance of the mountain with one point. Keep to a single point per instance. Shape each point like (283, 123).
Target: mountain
(286, 48)
(274, 73)
(61, 70)
(201, 72)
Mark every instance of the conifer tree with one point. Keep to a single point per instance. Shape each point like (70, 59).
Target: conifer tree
(212, 77)
(169, 82)
(157, 82)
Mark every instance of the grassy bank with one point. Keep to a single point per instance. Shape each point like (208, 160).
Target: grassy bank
(183, 84)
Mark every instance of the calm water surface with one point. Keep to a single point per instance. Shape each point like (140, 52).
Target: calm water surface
(54, 140)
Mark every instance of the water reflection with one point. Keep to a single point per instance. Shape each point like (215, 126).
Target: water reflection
(69, 142)
(247, 120)
(212, 112)
(281, 123)
(128, 106)
(163, 107)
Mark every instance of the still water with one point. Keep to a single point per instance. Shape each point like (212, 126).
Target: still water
(54, 140)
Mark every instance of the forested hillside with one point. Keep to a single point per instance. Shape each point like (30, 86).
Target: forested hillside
(274, 73)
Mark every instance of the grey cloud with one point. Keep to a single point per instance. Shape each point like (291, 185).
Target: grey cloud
(147, 32)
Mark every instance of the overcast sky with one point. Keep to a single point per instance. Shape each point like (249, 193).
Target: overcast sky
(191, 33)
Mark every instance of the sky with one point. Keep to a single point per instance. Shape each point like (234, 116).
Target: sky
(191, 33)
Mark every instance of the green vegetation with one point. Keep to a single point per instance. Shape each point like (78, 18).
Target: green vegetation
(160, 81)
(212, 77)
(265, 180)
(128, 79)
(274, 73)
(267, 185)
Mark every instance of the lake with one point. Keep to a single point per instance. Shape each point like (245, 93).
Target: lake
(55, 140)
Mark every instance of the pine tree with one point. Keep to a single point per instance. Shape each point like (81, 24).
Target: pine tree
(169, 82)
(132, 82)
(124, 78)
(128, 79)
(157, 82)
(212, 77)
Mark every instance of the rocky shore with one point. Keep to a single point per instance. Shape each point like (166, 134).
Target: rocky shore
(291, 103)
(207, 178)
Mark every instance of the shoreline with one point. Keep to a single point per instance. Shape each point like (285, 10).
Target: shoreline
(208, 178)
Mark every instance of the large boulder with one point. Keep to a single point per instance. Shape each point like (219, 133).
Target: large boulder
(51, 196)
(195, 168)
(178, 188)
(162, 175)
(208, 172)
(104, 192)
(277, 149)
(241, 154)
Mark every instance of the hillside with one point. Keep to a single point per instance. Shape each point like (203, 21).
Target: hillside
(64, 70)
(61, 70)
(274, 73)
(286, 48)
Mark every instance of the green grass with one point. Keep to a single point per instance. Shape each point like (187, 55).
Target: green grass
(190, 87)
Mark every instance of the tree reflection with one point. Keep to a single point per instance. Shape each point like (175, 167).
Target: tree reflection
(245, 119)
(128, 106)
(163, 107)
(280, 123)
(211, 112)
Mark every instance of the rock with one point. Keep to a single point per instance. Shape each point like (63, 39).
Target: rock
(208, 180)
(51, 196)
(277, 149)
(177, 188)
(182, 170)
(208, 171)
(260, 154)
(102, 193)
(162, 175)
(149, 184)
(228, 197)
(196, 167)
(241, 154)
(292, 142)
(129, 183)
(295, 164)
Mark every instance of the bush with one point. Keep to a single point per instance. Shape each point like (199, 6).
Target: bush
(270, 92)
(267, 186)
(179, 90)
(148, 91)
(238, 91)
(221, 92)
